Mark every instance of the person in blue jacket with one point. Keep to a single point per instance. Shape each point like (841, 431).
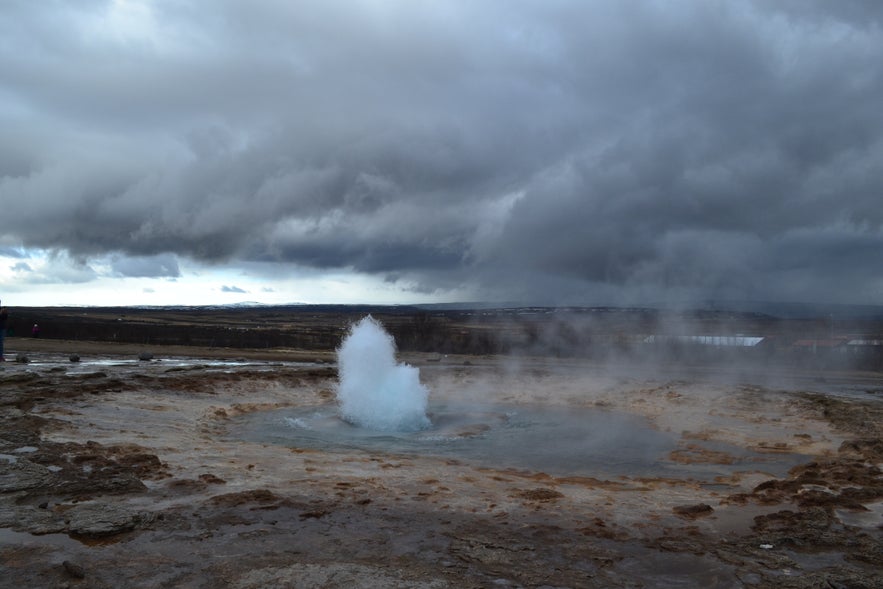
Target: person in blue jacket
(4, 317)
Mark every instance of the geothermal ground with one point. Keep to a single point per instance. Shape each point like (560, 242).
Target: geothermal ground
(171, 472)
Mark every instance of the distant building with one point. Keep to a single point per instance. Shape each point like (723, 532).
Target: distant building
(866, 349)
(705, 348)
(830, 344)
(719, 341)
(866, 353)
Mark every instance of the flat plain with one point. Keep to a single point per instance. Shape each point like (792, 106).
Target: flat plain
(121, 471)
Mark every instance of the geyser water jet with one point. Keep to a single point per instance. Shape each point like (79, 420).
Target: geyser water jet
(374, 391)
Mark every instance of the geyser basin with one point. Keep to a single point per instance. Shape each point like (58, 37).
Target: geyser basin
(382, 408)
(552, 439)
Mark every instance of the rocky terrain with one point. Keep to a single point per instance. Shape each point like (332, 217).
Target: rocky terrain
(120, 472)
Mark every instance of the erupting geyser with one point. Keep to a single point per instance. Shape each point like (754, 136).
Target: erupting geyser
(374, 391)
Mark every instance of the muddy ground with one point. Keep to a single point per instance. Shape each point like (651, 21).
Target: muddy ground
(119, 472)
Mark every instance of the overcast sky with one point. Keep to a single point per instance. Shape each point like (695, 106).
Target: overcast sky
(557, 151)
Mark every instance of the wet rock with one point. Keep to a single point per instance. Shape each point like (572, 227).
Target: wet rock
(355, 576)
(74, 570)
(101, 519)
(20, 474)
(693, 511)
(74, 358)
(19, 378)
(871, 449)
(260, 496)
(142, 464)
(89, 469)
(29, 519)
(541, 495)
(81, 484)
(211, 479)
(680, 544)
(491, 551)
(845, 483)
(186, 485)
(22, 359)
(696, 454)
(145, 356)
(599, 528)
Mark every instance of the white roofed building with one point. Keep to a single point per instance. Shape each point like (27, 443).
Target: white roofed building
(739, 341)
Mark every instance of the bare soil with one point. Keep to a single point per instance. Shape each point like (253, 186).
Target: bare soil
(119, 472)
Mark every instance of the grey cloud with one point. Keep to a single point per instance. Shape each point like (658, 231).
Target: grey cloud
(12, 252)
(61, 268)
(234, 289)
(160, 266)
(546, 150)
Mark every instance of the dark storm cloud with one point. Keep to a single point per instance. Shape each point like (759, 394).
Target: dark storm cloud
(557, 151)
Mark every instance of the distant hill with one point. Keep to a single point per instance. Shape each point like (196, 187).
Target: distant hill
(776, 310)
(802, 310)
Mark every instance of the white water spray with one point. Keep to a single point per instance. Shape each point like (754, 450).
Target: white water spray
(374, 391)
